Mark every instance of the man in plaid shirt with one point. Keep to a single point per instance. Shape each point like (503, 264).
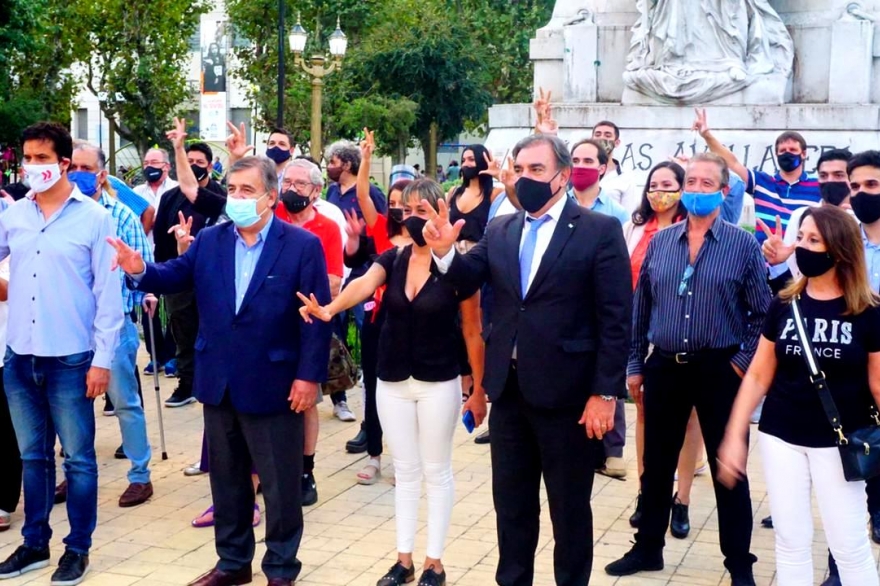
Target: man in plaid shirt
(88, 172)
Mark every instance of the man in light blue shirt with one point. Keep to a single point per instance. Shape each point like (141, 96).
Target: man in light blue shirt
(64, 321)
(88, 171)
(590, 160)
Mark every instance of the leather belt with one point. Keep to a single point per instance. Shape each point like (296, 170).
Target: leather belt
(697, 355)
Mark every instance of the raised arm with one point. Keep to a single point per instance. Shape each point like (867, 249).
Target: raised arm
(368, 208)
(701, 125)
(185, 177)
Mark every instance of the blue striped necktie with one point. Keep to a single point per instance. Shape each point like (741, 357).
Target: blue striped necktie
(527, 254)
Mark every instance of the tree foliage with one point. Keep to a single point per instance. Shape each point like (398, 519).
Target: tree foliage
(35, 58)
(136, 56)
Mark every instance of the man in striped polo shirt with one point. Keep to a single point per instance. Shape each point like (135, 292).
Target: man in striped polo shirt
(775, 195)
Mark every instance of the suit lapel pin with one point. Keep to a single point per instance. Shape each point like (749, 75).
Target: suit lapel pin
(571, 225)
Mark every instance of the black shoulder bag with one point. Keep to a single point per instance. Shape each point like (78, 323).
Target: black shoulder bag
(859, 450)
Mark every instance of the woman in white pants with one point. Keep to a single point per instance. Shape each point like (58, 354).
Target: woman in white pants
(418, 392)
(797, 443)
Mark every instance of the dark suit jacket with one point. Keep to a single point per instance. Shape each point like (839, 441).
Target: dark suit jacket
(572, 331)
(256, 354)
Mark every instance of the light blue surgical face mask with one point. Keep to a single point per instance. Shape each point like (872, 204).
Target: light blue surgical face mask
(243, 212)
(701, 204)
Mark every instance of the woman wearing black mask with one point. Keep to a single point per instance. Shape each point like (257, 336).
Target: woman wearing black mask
(798, 444)
(471, 200)
(418, 389)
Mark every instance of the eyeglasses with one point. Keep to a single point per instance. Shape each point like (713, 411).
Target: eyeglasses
(297, 185)
(688, 273)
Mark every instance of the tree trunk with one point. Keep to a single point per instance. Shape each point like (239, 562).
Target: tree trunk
(400, 156)
(431, 152)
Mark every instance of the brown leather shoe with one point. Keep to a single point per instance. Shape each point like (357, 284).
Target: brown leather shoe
(280, 582)
(137, 493)
(220, 578)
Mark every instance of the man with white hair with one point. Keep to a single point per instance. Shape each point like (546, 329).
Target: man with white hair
(301, 184)
(88, 172)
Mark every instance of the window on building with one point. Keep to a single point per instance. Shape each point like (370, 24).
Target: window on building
(82, 124)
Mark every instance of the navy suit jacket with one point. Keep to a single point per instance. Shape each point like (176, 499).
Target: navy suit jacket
(572, 330)
(255, 354)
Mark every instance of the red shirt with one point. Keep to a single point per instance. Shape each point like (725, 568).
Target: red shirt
(379, 233)
(328, 231)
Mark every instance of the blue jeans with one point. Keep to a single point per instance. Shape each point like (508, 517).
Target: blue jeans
(123, 392)
(47, 395)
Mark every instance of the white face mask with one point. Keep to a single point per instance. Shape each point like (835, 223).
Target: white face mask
(42, 177)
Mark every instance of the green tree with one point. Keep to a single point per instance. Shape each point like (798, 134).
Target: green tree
(135, 56)
(390, 119)
(256, 29)
(423, 52)
(35, 58)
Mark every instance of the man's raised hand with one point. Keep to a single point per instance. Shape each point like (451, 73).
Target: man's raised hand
(701, 123)
(127, 258)
(236, 142)
(439, 233)
(177, 135)
(775, 250)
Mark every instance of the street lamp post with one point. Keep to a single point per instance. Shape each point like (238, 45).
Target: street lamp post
(317, 71)
(279, 119)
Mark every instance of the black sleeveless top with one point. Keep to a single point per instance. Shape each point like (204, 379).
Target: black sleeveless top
(475, 220)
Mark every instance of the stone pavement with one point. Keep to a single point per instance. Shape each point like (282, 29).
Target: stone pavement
(349, 534)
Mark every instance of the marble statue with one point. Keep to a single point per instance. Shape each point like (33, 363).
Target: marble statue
(697, 51)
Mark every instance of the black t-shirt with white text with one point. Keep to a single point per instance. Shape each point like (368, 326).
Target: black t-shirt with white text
(841, 343)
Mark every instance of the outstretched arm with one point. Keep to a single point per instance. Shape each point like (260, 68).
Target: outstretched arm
(368, 208)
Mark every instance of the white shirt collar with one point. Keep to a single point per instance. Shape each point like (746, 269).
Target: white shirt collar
(554, 212)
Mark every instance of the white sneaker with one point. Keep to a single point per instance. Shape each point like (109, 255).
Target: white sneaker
(342, 412)
(5, 520)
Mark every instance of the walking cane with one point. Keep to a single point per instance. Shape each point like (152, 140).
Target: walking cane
(156, 382)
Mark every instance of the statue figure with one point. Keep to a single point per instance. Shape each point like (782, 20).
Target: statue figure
(696, 51)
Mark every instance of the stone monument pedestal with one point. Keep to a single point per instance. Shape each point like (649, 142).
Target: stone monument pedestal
(832, 95)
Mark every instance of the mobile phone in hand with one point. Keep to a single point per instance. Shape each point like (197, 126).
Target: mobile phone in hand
(468, 420)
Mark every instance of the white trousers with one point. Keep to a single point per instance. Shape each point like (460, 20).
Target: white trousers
(418, 420)
(790, 472)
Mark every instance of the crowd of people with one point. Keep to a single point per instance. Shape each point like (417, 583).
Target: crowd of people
(547, 285)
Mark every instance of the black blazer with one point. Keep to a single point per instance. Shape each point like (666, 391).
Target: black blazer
(572, 331)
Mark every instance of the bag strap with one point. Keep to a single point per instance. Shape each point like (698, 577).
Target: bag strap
(817, 377)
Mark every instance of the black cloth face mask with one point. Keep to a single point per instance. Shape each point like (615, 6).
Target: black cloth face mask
(866, 207)
(812, 263)
(788, 162)
(294, 202)
(534, 195)
(834, 192)
(414, 225)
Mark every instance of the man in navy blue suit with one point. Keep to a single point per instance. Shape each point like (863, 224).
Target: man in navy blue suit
(258, 365)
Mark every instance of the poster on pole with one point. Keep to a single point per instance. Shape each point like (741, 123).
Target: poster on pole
(214, 50)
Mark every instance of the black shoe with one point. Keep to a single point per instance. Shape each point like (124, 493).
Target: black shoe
(24, 559)
(636, 517)
(875, 527)
(767, 522)
(119, 454)
(681, 523)
(483, 438)
(109, 410)
(742, 578)
(634, 561)
(309, 490)
(832, 581)
(180, 397)
(61, 493)
(72, 568)
(397, 575)
(431, 578)
(358, 444)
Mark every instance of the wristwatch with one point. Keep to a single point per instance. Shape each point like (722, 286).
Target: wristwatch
(608, 398)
